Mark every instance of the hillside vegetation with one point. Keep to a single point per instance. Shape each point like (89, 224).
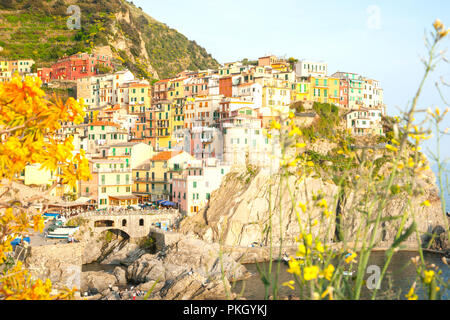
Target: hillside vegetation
(38, 29)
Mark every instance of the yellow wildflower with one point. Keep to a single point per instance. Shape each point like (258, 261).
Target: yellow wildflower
(295, 131)
(294, 267)
(302, 251)
(310, 164)
(310, 273)
(323, 203)
(300, 145)
(319, 247)
(426, 203)
(309, 239)
(302, 206)
(328, 272)
(392, 148)
(411, 295)
(429, 275)
(289, 284)
(350, 257)
(328, 292)
(438, 26)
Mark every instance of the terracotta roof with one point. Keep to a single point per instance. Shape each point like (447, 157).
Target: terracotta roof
(165, 155)
(104, 123)
(137, 85)
(164, 80)
(247, 84)
(109, 109)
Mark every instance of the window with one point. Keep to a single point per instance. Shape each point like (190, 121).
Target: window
(195, 184)
(141, 222)
(208, 196)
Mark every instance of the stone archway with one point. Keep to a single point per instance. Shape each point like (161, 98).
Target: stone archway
(103, 223)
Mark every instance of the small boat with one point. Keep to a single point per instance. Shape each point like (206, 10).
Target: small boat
(286, 258)
(348, 273)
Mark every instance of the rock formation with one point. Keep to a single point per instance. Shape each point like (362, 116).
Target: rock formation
(239, 213)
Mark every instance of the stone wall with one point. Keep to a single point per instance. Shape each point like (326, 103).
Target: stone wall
(164, 238)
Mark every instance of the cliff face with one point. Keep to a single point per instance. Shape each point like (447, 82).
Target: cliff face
(239, 213)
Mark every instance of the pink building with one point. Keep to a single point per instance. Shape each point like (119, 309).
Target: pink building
(79, 66)
(45, 74)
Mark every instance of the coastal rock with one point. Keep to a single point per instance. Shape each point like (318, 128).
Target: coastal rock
(239, 214)
(121, 276)
(149, 285)
(204, 258)
(130, 249)
(193, 286)
(185, 256)
(146, 268)
(97, 282)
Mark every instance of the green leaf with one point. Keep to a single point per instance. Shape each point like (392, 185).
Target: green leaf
(404, 236)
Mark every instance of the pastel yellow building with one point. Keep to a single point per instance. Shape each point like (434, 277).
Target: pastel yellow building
(4, 65)
(112, 180)
(333, 91)
(139, 98)
(153, 180)
(300, 91)
(161, 125)
(319, 90)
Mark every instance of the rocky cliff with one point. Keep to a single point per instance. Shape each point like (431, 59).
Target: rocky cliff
(246, 207)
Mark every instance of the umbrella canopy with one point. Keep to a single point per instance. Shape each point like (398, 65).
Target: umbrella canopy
(169, 203)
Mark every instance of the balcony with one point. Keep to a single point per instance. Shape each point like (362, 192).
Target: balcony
(111, 170)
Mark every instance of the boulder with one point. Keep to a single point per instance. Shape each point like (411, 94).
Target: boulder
(97, 282)
(121, 276)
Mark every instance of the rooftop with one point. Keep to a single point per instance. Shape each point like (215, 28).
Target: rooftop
(165, 155)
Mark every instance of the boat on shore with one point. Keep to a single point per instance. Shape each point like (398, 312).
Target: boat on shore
(62, 233)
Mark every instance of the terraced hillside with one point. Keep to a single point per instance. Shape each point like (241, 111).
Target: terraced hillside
(38, 29)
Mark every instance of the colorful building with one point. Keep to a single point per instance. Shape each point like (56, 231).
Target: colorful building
(79, 65)
(193, 188)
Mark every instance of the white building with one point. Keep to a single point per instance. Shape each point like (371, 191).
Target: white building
(192, 191)
(309, 68)
(245, 143)
(365, 121)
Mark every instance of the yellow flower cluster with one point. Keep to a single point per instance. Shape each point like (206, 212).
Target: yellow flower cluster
(17, 284)
(440, 29)
(29, 126)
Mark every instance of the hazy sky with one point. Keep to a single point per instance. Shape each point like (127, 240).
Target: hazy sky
(381, 39)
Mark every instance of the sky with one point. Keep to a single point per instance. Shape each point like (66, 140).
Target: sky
(379, 39)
